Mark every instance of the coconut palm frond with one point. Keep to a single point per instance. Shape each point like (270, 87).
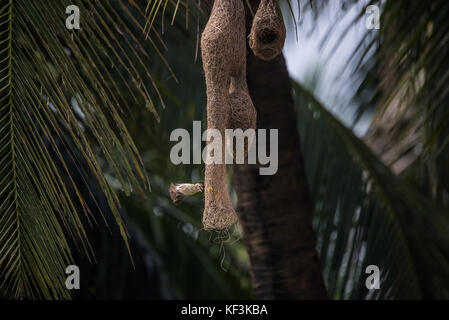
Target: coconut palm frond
(399, 71)
(367, 215)
(170, 9)
(64, 90)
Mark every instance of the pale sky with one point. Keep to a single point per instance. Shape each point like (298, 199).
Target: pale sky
(304, 55)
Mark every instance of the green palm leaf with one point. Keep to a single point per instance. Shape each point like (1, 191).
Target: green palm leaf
(400, 72)
(367, 215)
(64, 92)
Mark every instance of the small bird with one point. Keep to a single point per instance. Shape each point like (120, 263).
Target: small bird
(179, 191)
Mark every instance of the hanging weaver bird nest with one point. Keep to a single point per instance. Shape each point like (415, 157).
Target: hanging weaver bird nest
(223, 50)
(267, 35)
(229, 105)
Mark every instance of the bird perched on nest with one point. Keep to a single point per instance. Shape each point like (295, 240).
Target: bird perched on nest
(179, 191)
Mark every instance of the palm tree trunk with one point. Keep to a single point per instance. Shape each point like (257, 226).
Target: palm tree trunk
(275, 211)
